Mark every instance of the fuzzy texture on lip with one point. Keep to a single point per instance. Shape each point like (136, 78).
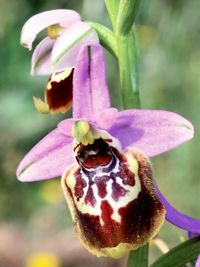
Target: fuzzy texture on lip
(114, 207)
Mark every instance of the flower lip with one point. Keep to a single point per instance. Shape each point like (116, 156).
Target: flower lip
(115, 208)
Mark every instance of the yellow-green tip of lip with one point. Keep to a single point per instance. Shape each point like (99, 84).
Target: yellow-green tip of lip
(41, 106)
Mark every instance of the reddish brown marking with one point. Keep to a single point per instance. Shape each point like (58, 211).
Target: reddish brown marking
(79, 185)
(77, 146)
(118, 191)
(98, 153)
(137, 220)
(108, 140)
(107, 212)
(60, 93)
(94, 161)
(90, 198)
(101, 185)
(127, 176)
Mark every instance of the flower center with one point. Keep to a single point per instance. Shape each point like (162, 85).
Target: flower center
(99, 153)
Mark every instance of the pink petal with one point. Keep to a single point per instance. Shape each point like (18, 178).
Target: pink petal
(192, 234)
(198, 262)
(67, 45)
(178, 219)
(41, 58)
(90, 91)
(66, 126)
(106, 118)
(48, 159)
(40, 21)
(152, 131)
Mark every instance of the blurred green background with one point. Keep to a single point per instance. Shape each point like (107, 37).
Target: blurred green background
(35, 224)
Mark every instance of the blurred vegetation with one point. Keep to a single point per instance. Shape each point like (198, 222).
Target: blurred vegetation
(169, 79)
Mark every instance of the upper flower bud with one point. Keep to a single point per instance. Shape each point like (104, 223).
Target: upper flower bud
(56, 54)
(41, 21)
(66, 33)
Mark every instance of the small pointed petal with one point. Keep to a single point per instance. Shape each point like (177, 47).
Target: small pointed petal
(48, 159)
(178, 219)
(41, 58)
(66, 126)
(41, 106)
(106, 118)
(91, 94)
(41, 21)
(152, 131)
(67, 45)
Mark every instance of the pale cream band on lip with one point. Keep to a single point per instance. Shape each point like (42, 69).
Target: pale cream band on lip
(132, 194)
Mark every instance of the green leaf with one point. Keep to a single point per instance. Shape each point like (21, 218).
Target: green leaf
(139, 257)
(179, 255)
(107, 38)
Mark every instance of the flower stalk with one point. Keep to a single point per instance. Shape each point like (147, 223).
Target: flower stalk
(127, 12)
(128, 56)
(112, 8)
(123, 14)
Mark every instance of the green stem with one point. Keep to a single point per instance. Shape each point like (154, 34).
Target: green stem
(126, 15)
(112, 8)
(128, 68)
(134, 58)
(139, 257)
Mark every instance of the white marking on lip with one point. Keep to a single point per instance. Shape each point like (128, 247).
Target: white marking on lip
(132, 193)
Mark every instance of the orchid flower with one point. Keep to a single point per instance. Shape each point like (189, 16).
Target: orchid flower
(101, 155)
(56, 54)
